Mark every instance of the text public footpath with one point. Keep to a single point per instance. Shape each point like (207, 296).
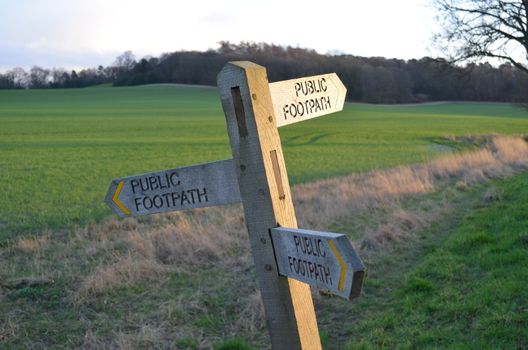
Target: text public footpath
(173, 195)
(310, 247)
(309, 105)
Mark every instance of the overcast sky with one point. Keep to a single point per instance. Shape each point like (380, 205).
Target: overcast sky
(86, 33)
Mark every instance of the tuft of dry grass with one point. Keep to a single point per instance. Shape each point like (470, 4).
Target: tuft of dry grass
(199, 239)
(401, 224)
(323, 202)
(143, 337)
(93, 342)
(452, 166)
(8, 328)
(251, 319)
(124, 272)
(178, 242)
(513, 150)
(146, 337)
(493, 195)
(31, 245)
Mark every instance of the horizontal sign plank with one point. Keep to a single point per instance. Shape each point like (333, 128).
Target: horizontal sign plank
(305, 98)
(197, 186)
(326, 260)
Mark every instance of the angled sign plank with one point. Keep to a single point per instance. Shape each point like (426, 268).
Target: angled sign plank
(322, 259)
(196, 186)
(306, 98)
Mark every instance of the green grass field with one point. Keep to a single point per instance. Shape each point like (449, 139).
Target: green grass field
(59, 149)
(457, 283)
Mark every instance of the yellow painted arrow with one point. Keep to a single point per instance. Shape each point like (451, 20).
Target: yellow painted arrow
(342, 275)
(115, 198)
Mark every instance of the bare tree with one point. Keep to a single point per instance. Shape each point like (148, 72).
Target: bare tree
(39, 77)
(21, 77)
(125, 61)
(475, 29)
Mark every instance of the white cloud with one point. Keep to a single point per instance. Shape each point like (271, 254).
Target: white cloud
(97, 28)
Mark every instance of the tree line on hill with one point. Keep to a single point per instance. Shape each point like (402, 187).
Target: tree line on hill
(368, 79)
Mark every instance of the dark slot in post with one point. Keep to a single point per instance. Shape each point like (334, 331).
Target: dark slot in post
(239, 111)
(277, 174)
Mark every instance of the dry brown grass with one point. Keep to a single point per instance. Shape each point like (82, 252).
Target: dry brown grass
(511, 150)
(93, 342)
(320, 203)
(143, 337)
(31, 245)
(136, 250)
(401, 224)
(124, 272)
(497, 160)
(452, 166)
(146, 337)
(251, 319)
(8, 328)
(187, 240)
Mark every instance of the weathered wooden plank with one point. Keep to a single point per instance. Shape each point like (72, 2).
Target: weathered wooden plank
(326, 260)
(197, 186)
(301, 99)
(265, 192)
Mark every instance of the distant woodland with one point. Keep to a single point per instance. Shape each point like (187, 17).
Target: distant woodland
(368, 79)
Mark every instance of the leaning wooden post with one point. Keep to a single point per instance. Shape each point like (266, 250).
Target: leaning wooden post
(265, 193)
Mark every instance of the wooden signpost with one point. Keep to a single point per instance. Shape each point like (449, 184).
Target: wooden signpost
(285, 258)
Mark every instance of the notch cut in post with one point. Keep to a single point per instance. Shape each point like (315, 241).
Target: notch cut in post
(277, 174)
(239, 111)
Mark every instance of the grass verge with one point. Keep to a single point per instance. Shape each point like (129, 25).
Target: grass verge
(467, 292)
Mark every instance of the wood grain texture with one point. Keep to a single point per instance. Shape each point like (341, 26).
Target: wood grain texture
(288, 303)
